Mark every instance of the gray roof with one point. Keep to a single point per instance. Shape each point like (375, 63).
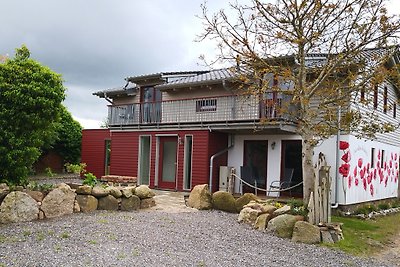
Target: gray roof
(162, 75)
(210, 77)
(116, 91)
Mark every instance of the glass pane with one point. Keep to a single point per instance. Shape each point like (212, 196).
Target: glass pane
(188, 162)
(169, 158)
(144, 159)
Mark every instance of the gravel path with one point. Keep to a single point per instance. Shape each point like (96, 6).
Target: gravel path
(156, 238)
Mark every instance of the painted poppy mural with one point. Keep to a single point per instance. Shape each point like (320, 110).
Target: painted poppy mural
(368, 172)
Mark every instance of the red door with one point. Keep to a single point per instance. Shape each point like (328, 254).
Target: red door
(167, 162)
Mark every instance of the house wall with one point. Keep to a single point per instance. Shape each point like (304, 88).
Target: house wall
(236, 154)
(195, 92)
(125, 154)
(93, 150)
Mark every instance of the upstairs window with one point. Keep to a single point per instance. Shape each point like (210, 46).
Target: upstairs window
(394, 110)
(206, 105)
(375, 97)
(385, 99)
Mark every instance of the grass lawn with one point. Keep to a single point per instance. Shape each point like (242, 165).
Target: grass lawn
(366, 237)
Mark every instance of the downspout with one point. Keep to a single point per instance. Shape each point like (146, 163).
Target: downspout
(336, 203)
(217, 155)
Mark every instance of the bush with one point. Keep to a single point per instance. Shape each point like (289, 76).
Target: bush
(76, 168)
(90, 179)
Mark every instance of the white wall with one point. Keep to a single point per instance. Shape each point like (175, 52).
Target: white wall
(235, 155)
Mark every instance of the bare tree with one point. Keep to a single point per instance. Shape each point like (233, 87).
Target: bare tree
(331, 50)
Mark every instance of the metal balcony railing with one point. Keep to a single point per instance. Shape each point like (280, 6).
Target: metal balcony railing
(219, 109)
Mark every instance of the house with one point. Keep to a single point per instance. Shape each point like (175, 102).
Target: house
(174, 130)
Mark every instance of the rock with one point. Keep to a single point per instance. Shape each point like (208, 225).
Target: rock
(261, 208)
(200, 198)
(248, 215)
(18, 207)
(305, 232)
(19, 188)
(244, 200)
(143, 191)
(147, 203)
(36, 195)
(99, 191)
(87, 203)
(84, 190)
(282, 225)
(326, 237)
(115, 192)
(60, 201)
(284, 210)
(4, 190)
(128, 191)
(41, 215)
(224, 201)
(129, 204)
(108, 203)
(262, 220)
(77, 208)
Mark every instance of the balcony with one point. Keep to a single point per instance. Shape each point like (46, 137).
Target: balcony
(227, 110)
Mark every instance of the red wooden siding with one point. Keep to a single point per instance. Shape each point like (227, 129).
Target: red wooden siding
(124, 153)
(217, 142)
(93, 150)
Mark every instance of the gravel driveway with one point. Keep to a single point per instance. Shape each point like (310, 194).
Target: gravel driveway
(156, 238)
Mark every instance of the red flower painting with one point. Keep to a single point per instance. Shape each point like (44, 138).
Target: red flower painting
(356, 181)
(344, 169)
(371, 189)
(343, 145)
(360, 162)
(346, 157)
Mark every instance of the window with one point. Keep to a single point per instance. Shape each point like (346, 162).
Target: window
(382, 158)
(372, 157)
(394, 110)
(375, 97)
(385, 99)
(206, 105)
(362, 94)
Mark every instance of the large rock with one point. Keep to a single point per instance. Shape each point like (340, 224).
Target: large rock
(283, 210)
(262, 220)
(4, 190)
(84, 190)
(143, 191)
(244, 200)
(36, 195)
(87, 203)
(108, 203)
(261, 207)
(99, 191)
(128, 191)
(59, 202)
(147, 203)
(129, 204)
(200, 198)
(18, 207)
(115, 192)
(282, 225)
(305, 232)
(224, 201)
(248, 215)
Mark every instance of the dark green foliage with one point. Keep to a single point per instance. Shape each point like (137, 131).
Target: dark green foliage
(90, 179)
(30, 103)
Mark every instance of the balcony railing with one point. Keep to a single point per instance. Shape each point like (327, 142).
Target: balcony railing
(209, 110)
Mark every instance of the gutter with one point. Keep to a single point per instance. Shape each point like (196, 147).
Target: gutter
(217, 155)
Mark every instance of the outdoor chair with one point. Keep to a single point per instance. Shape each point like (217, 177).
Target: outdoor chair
(285, 183)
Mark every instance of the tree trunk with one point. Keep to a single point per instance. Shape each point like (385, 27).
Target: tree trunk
(308, 168)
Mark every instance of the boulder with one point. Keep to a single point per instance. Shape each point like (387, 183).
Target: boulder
(99, 191)
(108, 203)
(305, 232)
(115, 192)
(87, 203)
(41, 215)
(143, 191)
(262, 220)
(59, 202)
(147, 203)
(77, 208)
(282, 225)
(36, 195)
(84, 190)
(200, 198)
(261, 207)
(248, 215)
(4, 190)
(244, 200)
(128, 191)
(18, 207)
(129, 204)
(224, 201)
(283, 210)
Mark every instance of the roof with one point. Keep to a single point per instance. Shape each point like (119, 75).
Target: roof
(161, 76)
(117, 91)
(209, 77)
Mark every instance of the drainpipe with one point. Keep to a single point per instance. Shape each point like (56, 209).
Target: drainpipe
(336, 203)
(217, 155)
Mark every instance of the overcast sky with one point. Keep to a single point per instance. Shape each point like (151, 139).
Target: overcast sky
(95, 44)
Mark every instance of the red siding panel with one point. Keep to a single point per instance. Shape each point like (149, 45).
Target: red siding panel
(93, 150)
(124, 153)
(217, 142)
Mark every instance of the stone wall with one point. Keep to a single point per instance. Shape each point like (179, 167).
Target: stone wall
(26, 205)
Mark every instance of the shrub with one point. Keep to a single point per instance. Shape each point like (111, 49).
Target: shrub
(76, 168)
(90, 179)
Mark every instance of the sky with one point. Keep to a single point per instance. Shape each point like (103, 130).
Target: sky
(95, 44)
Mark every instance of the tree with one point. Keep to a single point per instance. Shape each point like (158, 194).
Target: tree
(281, 38)
(69, 137)
(30, 104)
